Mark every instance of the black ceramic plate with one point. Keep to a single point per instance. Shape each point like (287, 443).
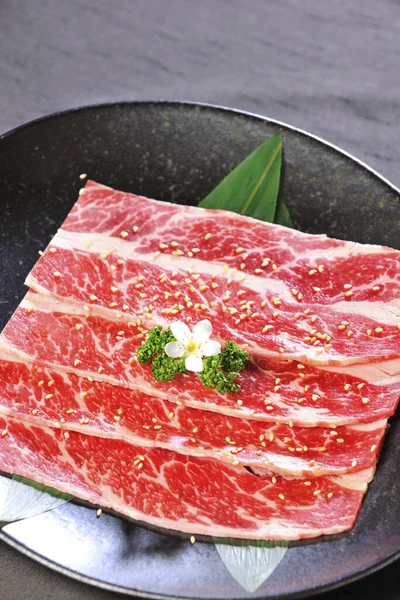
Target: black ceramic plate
(179, 152)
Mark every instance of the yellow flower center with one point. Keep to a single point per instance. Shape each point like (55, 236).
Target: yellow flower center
(191, 346)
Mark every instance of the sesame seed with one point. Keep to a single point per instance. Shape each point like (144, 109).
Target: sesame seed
(135, 229)
(207, 236)
(349, 333)
(354, 463)
(276, 301)
(321, 268)
(317, 492)
(312, 271)
(124, 234)
(376, 288)
(77, 362)
(365, 400)
(369, 331)
(4, 433)
(281, 496)
(53, 250)
(340, 440)
(329, 495)
(100, 369)
(373, 447)
(347, 286)
(70, 411)
(192, 539)
(35, 411)
(378, 329)
(307, 483)
(347, 387)
(57, 274)
(348, 294)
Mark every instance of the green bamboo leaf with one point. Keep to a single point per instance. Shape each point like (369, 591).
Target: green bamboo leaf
(282, 216)
(24, 498)
(250, 563)
(252, 187)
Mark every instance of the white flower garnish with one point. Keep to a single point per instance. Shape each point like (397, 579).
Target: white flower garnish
(193, 345)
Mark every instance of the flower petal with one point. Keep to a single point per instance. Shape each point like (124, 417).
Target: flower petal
(174, 349)
(202, 331)
(194, 363)
(210, 348)
(181, 332)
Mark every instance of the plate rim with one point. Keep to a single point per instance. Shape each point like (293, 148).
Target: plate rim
(6, 537)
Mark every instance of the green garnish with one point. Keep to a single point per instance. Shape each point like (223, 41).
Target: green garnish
(165, 368)
(154, 344)
(219, 371)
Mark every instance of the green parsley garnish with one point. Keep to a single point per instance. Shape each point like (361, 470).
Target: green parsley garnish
(219, 371)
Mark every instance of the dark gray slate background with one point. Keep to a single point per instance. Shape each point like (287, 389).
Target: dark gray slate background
(331, 67)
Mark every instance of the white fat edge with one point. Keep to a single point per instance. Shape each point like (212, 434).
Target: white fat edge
(345, 250)
(363, 476)
(381, 424)
(56, 303)
(385, 313)
(343, 481)
(382, 373)
(13, 354)
(98, 244)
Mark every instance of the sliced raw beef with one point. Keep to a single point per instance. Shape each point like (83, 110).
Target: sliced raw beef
(46, 397)
(61, 335)
(326, 302)
(182, 493)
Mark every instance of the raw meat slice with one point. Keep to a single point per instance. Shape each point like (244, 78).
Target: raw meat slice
(61, 335)
(182, 493)
(147, 223)
(46, 397)
(347, 310)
